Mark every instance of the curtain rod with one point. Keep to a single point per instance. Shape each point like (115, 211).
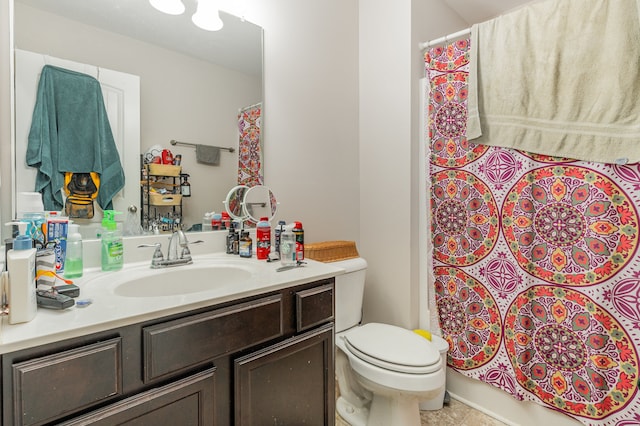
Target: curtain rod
(175, 142)
(426, 44)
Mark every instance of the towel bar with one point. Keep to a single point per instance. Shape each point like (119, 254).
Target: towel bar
(175, 142)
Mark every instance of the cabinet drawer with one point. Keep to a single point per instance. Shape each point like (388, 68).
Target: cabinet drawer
(53, 386)
(187, 342)
(314, 307)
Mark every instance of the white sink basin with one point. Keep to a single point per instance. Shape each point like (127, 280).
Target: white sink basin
(180, 280)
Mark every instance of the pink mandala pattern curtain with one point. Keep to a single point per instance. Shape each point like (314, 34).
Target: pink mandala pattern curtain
(536, 263)
(250, 166)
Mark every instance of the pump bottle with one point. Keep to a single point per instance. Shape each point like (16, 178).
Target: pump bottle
(73, 264)
(112, 246)
(21, 264)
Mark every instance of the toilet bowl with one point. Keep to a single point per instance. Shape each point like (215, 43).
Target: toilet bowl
(384, 372)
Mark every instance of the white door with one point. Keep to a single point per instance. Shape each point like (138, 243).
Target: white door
(121, 94)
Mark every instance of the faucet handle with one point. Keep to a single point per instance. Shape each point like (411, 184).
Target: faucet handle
(157, 254)
(186, 253)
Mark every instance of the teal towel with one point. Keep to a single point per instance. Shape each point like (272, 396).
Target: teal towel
(70, 132)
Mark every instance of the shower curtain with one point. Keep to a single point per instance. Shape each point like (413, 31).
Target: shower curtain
(537, 273)
(250, 170)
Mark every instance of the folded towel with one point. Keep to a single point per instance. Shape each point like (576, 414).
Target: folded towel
(560, 78)
(70, 132)
(206, 154)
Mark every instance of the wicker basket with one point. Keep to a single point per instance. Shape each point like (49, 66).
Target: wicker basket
(165, 199)
(331, 251)
(164, 170)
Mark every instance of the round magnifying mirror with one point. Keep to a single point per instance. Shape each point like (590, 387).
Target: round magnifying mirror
(259, 202)
(234, 200)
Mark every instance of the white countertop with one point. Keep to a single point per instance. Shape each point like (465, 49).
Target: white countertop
(109, 310)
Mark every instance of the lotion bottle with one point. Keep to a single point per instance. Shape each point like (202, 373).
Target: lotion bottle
(112, 246)
(21, 264)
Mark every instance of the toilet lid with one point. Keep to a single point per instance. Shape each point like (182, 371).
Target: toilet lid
(393, 348)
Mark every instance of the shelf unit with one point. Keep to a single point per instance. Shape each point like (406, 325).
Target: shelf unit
(164, 208)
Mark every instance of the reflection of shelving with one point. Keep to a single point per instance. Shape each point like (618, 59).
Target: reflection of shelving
(160, 197)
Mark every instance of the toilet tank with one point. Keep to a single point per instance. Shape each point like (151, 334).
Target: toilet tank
(349, 292)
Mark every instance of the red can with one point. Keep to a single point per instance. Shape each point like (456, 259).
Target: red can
(167, 157)
(299, 233)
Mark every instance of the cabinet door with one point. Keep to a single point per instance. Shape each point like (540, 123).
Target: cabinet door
(50, 387)
(290, 383)
(186, 402)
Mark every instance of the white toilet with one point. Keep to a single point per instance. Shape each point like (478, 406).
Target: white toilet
(384, 372)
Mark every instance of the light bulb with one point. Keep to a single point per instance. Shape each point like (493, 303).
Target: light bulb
(171, 7)
(207, 16)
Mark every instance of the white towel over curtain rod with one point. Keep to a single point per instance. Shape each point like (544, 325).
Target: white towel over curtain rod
(427, 44)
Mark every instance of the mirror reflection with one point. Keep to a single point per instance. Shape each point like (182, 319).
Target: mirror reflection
(182, 96)
(259, 202)
(233, 203)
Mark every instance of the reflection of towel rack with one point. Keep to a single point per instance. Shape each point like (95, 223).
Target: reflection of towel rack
(175, 142)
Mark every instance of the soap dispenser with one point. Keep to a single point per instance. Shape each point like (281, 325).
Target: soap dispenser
(73, 264)
(112, 246)
(21, 264)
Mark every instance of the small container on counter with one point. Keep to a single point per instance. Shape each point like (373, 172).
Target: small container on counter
(245, 245)
(287, 248)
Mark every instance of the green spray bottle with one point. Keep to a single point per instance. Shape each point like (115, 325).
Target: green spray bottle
(112, 247)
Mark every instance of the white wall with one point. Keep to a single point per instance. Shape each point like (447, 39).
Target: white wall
(385, 161)
(311, 112)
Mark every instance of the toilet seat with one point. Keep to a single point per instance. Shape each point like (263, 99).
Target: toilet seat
(393, 348)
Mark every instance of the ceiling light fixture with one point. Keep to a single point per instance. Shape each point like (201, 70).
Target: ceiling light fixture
(207, 15)
(171, 7)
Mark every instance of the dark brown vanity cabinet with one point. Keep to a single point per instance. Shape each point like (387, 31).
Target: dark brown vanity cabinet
(267, 359)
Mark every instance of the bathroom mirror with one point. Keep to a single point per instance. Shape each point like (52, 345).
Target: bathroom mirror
(92, 31)
(233, 202)
(259, 202)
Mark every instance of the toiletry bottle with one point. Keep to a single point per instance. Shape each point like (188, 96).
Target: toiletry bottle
(73, 263)
(236, 238)
(263, 238)
(246, 245)
(185, 186)
(21, 264)
(287, 248)
(206, 221)
(226, 220)
(112, 246)
(216, 221)
(299, 233)
(277, 236)
(230, 238)
(36, 226)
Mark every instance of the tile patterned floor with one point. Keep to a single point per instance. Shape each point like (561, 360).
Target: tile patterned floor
(453, 414)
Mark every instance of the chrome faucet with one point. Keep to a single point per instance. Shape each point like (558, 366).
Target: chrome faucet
(177, 239)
